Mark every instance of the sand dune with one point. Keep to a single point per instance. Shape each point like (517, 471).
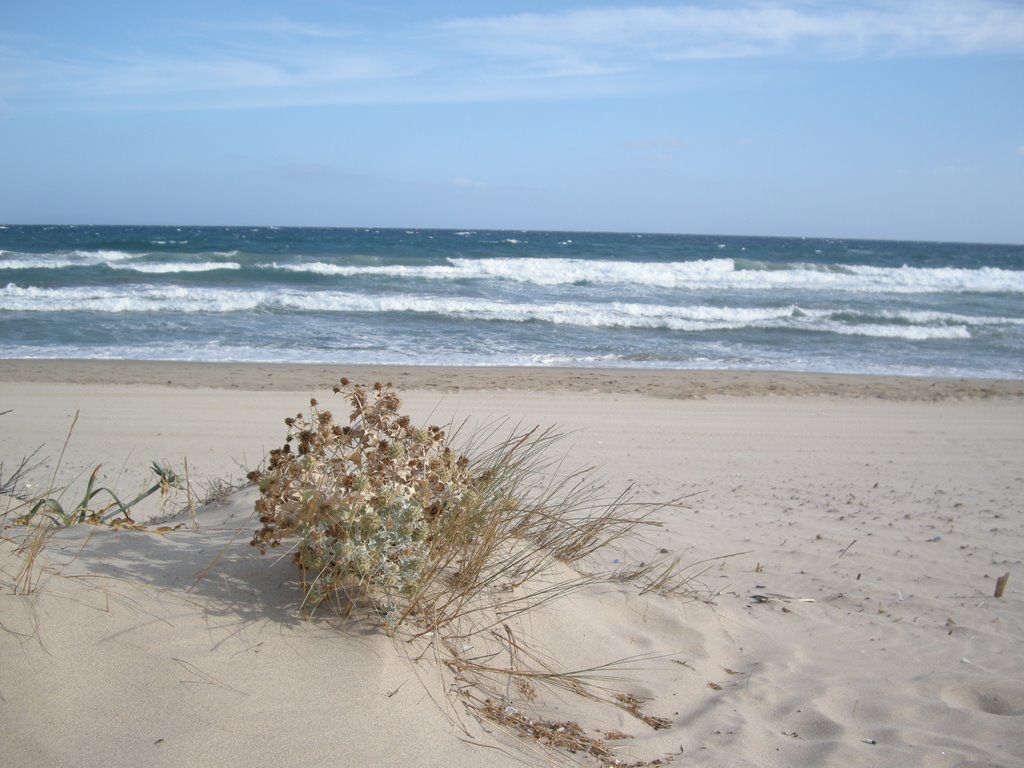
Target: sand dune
(851, 531)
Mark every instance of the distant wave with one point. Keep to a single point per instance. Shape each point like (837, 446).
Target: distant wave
(146, 299)
(113, 260)
(910, 325)
(513, 297)
(164, 268)
(34, 263)
(97, 256)
(716, 274)
(707, 274)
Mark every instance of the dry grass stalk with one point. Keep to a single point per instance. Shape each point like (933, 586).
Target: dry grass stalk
(12, 484)
(567, 734)
(563, 735)
(30, 549)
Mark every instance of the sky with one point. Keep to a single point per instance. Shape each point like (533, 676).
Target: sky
(890, 119)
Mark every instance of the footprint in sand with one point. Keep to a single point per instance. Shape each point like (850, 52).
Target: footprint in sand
(995, 699)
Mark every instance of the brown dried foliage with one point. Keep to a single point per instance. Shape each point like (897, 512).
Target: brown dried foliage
(449, 549)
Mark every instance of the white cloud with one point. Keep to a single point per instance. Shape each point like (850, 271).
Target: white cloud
(584, 52)
(283, 26)
(734, 30)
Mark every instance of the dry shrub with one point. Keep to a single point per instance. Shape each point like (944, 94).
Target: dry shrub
(449, 550)
(366, 500)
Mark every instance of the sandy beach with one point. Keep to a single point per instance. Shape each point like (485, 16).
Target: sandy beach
(846, 534)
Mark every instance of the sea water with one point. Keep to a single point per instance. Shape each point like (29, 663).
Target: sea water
(478, 297)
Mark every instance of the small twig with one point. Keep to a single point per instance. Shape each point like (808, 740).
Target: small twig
(1001, 584)
(190, 496)
(847, 549)
(205, 678)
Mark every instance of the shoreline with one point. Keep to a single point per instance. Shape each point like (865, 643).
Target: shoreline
(669, 384)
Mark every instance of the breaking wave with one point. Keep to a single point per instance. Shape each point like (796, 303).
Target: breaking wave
(910, 325)
(706, 274)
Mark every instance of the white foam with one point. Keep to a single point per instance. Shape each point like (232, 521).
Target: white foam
(156, 299)
(926, 317)
(100, 256)
(153, 268)
(910, 333)
(701, 275)
(942, 279)
(718, 274)
(165, 268)
(134, 299)
(35, 263)
(62, 260)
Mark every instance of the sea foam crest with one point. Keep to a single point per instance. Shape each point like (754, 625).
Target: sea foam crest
(437, 272)
(159, 299)
(166, 268)
(910, 333)
(100, 256)
(34, 263)
(135, 299)
(152, 268)
(704, 274)
(64, 259)
(718, 274)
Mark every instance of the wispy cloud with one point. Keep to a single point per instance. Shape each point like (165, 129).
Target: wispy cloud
(741, 30)
(282, 26)
(229, 70)
(583, 52)
(464, 182)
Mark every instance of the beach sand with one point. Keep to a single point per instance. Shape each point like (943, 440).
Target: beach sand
(846, 535)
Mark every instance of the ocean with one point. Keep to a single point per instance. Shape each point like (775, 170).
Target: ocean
(479, 297)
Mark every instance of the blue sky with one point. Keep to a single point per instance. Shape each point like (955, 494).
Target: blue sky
(891, 119)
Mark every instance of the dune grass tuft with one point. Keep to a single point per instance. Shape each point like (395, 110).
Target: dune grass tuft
(450, 549)
(90, 510)
(44, 512)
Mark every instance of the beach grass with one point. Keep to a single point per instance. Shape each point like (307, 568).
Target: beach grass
(879, 519)
(450, 549)
(445, 539)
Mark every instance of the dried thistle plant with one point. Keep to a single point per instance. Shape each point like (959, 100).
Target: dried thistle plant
(365, 499)
(449, 550)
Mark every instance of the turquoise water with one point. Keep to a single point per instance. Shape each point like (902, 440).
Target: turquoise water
(511, 298)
